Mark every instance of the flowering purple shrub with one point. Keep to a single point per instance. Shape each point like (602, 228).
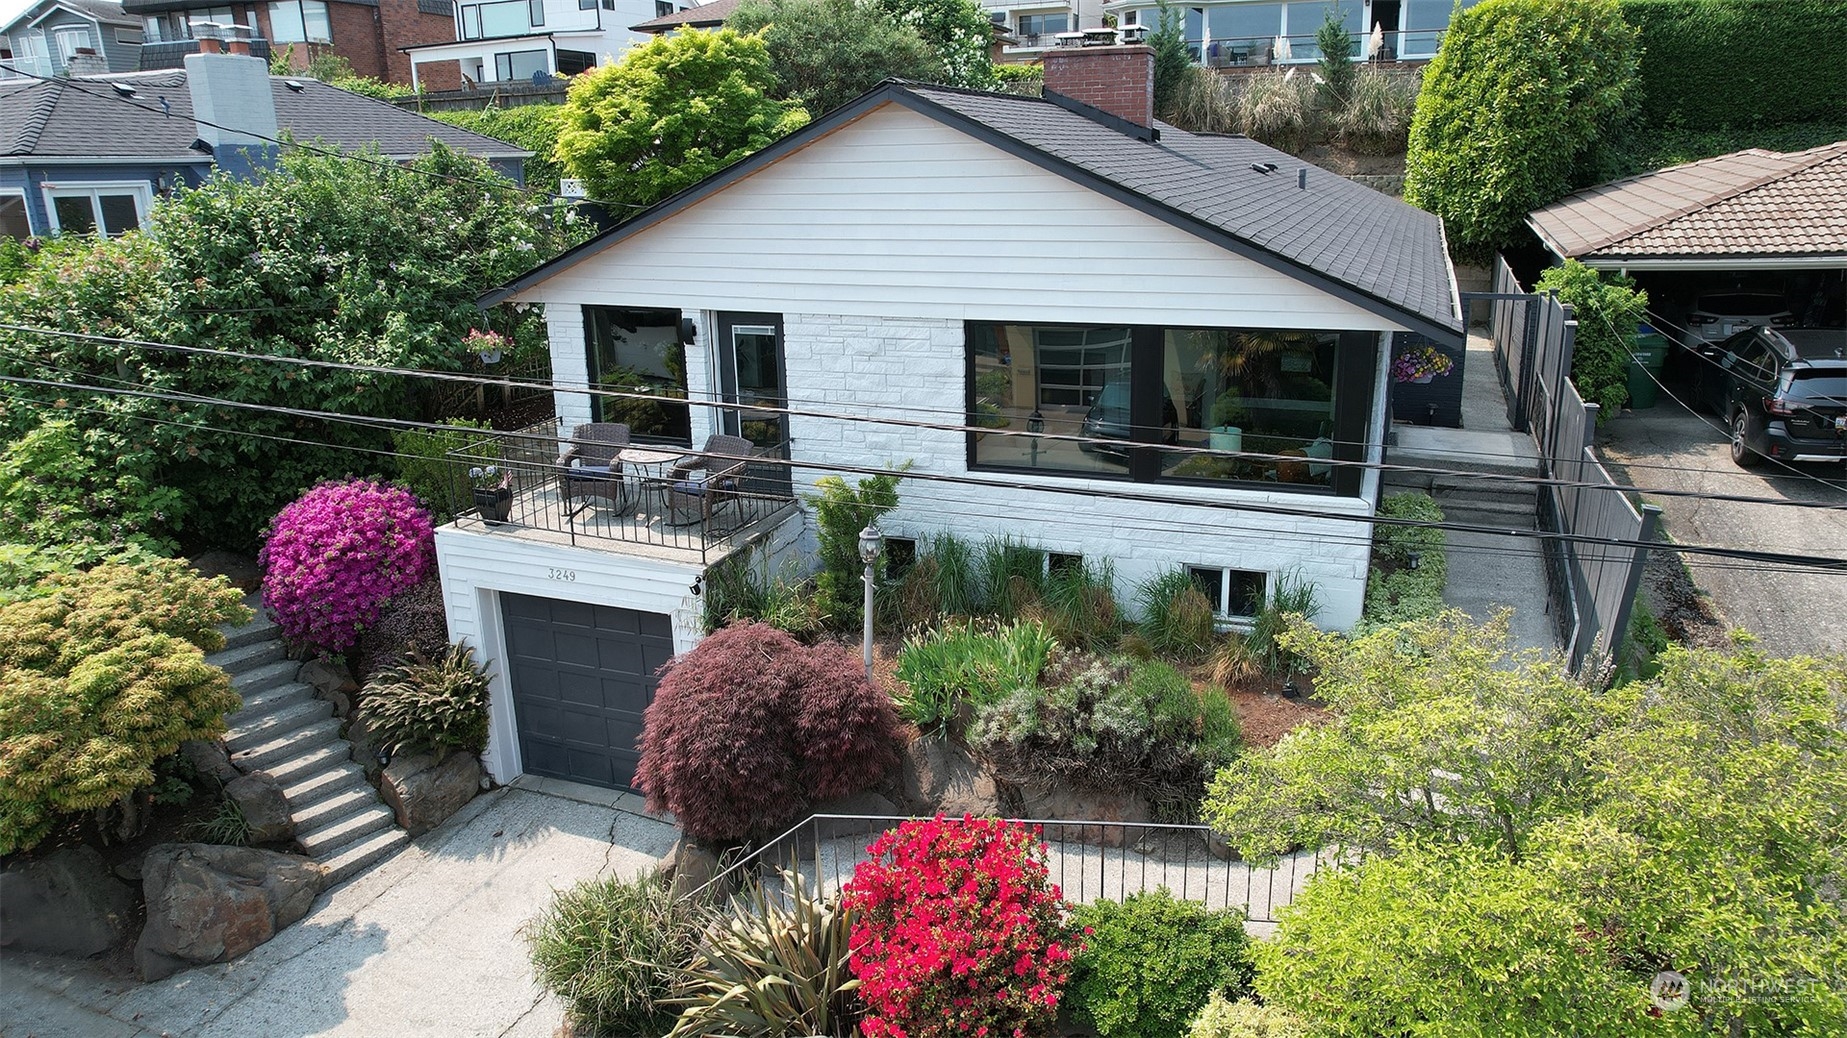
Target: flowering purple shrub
(337, 553)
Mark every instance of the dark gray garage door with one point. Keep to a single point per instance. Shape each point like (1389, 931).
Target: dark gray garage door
(581, 676)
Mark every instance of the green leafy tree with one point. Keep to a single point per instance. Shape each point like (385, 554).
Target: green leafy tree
(1525, 854)
(1512, 107)
(1607, 308)
(532, 127)
(80, 506)
(325, 258)
(959, 31)
(671, 113)
(102, 673)
(1172, 62)
(828, 52)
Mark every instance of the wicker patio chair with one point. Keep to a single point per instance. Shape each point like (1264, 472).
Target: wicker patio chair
(590, 469)
(697, 486)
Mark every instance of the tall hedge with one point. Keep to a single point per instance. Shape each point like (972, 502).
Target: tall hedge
(1517, 98)
(1717, 64)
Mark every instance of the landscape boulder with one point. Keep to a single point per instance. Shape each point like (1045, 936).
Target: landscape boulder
(207, 903)
(331, 681)
(210, 759)
(67, 902)
(259, 799)
(938, 775)
(689, 866)
(425, 790)
(1062, 802)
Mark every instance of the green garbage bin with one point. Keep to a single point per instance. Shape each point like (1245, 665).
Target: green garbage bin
(1645, 368)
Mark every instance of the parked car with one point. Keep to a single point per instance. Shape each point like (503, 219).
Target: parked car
(1716, 315)
(1108, 419)
(1783, 393)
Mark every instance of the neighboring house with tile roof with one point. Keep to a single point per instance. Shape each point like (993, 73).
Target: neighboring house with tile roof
(1198, 327)
(1751, 209)
(52, 37)
(89, 153)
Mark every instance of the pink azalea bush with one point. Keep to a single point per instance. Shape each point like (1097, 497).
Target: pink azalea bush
(959, 931)
(335, 555)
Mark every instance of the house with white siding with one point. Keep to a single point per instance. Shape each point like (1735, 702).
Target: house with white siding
(1178, 359)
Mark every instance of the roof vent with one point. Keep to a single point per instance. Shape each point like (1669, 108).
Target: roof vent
(1265, 168)
(295, 84)
(123, 89)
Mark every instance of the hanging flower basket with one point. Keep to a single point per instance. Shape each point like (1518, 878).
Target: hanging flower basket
(1421, 364)
(490, 346)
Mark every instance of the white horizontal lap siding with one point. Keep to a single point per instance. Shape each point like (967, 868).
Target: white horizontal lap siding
(897, 215)
(915, 369)
(477, 567)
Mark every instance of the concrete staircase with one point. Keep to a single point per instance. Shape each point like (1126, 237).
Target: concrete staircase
(285, 730)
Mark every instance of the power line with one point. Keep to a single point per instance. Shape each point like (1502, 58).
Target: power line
(1089, 493)
(938, 509)
(960, 428)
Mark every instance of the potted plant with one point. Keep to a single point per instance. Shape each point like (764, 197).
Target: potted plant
(489, 345)
(1420, 364)
(493, 493)
(1228, 417)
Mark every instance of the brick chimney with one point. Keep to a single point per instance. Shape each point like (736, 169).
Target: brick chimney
(1119, 80)
(231, 98)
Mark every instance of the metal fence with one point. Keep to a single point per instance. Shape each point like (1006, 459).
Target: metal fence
(637, 505)
(1593, 577)
(1090, 861)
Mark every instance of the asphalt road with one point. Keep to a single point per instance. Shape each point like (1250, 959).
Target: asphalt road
(1790, 611)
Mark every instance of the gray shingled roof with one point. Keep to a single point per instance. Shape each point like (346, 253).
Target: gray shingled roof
(1368, 247)
(1750, 203)
(1369, 241)
(712, 13)
(85, 117)
(104, 11)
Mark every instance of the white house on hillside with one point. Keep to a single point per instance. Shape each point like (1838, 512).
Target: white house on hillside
(504, 41)
(1180, 360)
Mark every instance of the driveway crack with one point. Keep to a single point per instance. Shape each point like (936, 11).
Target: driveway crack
(540, 997)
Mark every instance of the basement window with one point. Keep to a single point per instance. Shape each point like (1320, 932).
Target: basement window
(1235, 594)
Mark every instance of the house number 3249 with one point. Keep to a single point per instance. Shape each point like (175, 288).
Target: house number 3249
(561, 574)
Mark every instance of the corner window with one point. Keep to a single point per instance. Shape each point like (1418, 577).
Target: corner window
(300, 21)
(1235, 594)
(572, 62)
(1276, 407)
(105, 209)
(639, 351)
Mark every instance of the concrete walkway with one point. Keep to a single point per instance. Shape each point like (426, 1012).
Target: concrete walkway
(426, 944)
(1488, 572)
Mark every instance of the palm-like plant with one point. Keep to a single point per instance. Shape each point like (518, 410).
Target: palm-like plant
(770, 968)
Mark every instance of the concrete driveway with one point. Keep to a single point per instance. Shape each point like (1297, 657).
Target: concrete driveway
(427, 943)
(1790, 611)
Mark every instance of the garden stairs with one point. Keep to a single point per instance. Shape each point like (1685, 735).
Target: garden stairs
(285, 730)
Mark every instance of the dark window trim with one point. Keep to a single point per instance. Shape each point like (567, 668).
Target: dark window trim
(1352, 379)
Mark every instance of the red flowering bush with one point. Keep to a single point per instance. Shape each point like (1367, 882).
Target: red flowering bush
(751, 727)
(960, 931)
(337, 553)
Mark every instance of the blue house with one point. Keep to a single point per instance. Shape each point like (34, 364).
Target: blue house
(81, 37)
(89, 154)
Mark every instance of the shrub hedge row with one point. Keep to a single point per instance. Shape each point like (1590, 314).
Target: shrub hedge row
(1714, 64)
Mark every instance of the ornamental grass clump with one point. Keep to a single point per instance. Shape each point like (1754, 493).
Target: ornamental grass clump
(334, 556)
(959, 931)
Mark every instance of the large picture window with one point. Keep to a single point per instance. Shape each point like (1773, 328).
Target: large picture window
(101, 209)
(300, 21)
(639, 351)
(1272, 407)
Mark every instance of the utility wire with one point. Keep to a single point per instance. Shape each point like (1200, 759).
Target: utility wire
(913, 424)
(1089, 493)
(1217, 527)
